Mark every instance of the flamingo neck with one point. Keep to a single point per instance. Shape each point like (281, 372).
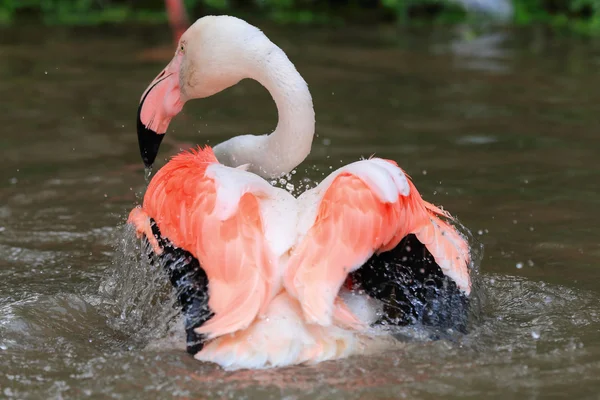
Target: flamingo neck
(288, 145)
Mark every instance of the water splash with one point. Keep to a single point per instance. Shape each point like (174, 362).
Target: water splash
(137, 298)
(293, 184)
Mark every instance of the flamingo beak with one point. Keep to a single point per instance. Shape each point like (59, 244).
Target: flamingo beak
(159, 104)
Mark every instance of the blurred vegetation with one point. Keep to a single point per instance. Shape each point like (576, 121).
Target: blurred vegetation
(575, 15)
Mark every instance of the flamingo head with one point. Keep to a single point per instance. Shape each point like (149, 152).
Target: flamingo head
(216, 52)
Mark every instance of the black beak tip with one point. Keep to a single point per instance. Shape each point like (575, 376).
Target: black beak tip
(148, 140)
(147, 163)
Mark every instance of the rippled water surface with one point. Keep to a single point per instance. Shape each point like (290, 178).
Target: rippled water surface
(501, 130)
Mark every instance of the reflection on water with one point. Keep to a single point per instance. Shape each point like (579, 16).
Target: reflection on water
(498, 129)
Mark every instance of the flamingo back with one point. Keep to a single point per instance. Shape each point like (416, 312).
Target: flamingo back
(365, 208)
(220, 224)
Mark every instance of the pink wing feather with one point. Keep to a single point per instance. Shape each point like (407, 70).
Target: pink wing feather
(232, 250)
(366, 208)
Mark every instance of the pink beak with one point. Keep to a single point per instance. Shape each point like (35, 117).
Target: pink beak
(160, 102)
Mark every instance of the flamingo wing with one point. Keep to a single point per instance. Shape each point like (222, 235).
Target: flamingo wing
(364, 208)
(214, 212)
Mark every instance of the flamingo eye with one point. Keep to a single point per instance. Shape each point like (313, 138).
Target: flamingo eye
(181, 49)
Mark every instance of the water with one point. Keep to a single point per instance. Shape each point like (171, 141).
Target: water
(500, 130)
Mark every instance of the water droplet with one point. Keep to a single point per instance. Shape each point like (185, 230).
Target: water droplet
(480, 232)
(531, 228)
(424, 172)
(326, 142)
(535, 334)
(13, 181)
(289, 187)
(147, 174)
(519, 265)
(514, 221)
(530, 263)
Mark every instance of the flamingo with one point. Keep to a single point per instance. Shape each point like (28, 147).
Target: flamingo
(178, 23)
(178, 18)
(267, 279)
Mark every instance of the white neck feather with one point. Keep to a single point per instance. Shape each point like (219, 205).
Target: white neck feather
(278, 153)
